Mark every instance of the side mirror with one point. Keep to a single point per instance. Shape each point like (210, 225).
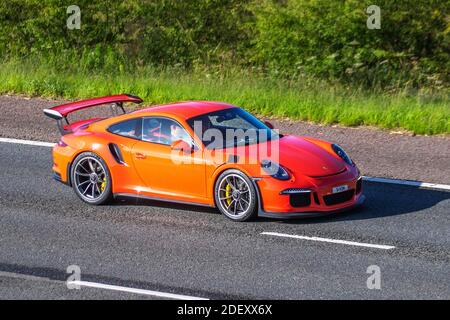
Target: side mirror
(181, 145)
(267, 123)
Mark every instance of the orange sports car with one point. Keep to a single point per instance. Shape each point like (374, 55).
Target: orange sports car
(203, 153)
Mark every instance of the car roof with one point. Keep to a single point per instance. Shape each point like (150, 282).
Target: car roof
(186, 109)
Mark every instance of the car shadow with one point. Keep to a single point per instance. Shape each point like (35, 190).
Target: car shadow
(383, 200)
(130, 201)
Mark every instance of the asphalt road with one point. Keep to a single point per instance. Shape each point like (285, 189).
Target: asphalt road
(194, 251)
(378, 153)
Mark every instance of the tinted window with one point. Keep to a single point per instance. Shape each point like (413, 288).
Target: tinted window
(129, 128)
(230, 127)
(164, 131)
(231, 119)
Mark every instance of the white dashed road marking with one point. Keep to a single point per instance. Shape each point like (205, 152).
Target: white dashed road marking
(350, 243)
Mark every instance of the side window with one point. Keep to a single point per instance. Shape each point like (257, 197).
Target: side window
(128, 128)
(163, 131)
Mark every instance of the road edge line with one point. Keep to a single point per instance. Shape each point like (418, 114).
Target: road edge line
(411, 183)
(27, 142)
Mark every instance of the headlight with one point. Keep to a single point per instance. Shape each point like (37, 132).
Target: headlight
(342, 154)
(275, 170)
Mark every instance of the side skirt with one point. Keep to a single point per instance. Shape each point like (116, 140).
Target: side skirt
(131, 195)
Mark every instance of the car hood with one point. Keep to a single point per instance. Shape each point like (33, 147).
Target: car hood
(298, 155)
(302, 156)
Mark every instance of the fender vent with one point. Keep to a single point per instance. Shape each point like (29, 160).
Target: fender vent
(115, 152)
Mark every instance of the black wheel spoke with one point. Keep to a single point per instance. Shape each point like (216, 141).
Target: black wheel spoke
(82, 174)
(82, 167)
(91, 166)
(93, 191)
(85, 190)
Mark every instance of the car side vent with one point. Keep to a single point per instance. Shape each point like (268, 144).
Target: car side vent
(115, 151)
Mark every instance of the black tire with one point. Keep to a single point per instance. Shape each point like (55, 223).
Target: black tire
(249, 211)
(105, 189)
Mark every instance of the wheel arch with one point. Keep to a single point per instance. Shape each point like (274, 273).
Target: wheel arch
(105, 194)
(90, 148)
(230, 166)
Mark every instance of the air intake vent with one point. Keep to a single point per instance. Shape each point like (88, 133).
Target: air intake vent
(115, 152)
(340, 197)
(300, 199)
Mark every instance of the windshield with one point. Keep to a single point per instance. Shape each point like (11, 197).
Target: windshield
(230, 128)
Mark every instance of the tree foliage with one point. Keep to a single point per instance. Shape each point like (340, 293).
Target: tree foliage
(287, 38)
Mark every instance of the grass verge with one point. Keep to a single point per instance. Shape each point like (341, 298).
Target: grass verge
(307, 99)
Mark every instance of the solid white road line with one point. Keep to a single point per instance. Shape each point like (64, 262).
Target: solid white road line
(408, 183)
(420, 184)
(101, 286)
(350, 243)
(28, 142)
(134, 290)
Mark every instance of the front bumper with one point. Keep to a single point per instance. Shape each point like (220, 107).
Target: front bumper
(313, 198)
(310, 214)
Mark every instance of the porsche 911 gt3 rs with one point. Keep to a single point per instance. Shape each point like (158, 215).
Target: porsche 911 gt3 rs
(203, 153)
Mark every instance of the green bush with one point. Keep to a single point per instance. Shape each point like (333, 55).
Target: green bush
(291, 39)
(331, 39)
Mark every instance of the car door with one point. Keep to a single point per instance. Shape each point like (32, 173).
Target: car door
(123, 136)
(165, 172)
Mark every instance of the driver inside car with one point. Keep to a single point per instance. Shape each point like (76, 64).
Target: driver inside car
(178, 133)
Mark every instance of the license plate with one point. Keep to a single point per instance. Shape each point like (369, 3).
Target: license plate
(340, 188)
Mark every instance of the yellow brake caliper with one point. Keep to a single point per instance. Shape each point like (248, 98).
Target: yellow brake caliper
(228, 193)
(103, 185)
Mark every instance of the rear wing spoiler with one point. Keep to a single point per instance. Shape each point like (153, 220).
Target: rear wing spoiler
(60, 113)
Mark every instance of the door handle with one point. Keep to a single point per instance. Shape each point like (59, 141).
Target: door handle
(140, 155)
